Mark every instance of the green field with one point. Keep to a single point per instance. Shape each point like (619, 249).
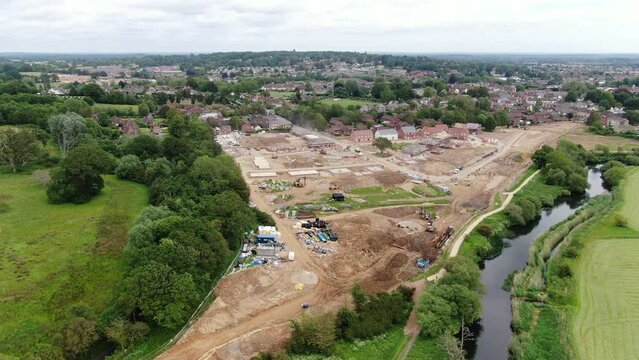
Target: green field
(346, 102)
(606, 322)
(385, 346)
(118, 107)
(281, 94)
(428, 190)
(57, 260)
(426, 349)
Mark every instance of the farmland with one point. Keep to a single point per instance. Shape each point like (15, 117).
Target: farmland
(607, 318)
(56, 258)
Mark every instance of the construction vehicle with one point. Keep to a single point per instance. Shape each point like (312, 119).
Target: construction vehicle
(300, 183)
(333, 187)
(442, 238)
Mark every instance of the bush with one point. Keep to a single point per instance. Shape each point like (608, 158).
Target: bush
(614, 175)
(620, 220)
(4, 207)
(485, 230)
(564, 270)
(129, 167)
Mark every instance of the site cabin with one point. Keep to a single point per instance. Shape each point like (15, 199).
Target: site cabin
(362, 136)
(338, 197)
(266, 250)
(291, 256)
(267, 234)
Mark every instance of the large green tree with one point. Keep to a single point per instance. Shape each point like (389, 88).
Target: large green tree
(18, 147)
(67, 130)
(78, 178)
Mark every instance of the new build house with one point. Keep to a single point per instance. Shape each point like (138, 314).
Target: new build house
(390, 134)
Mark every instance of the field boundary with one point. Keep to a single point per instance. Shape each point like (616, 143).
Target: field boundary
(196, 314)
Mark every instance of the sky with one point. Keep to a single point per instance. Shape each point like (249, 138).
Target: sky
(413, 26)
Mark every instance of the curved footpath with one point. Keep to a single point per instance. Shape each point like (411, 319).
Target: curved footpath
(412, 328)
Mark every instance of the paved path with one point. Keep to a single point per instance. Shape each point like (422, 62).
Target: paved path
(459, 239)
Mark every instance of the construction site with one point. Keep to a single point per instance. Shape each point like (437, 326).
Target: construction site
(345, 215)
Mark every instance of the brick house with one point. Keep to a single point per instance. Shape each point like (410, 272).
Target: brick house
(458, 133)
(407, 132)
(362, 136)
(429, 131)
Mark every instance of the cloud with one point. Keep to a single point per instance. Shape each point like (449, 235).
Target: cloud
(361, 25)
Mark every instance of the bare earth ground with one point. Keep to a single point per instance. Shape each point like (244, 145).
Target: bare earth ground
(253, 307)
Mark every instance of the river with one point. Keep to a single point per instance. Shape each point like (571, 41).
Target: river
(493, 332)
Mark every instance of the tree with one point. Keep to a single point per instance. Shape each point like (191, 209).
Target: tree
(91, 90)
(78, 178)
(489, 124)
(126, 333)
(130, 167)
(387, 96)
(79, 335)
(143, 146)
(67, 130)
(160, 294)
(594, 119)
(614, 175)
(434, 314)
(571, 96)
(382, 144)
(378, 87)
(313, 335)
(143, 109)
(452, 347)
(18, 148)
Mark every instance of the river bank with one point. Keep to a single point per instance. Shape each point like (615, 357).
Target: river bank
(502, 248)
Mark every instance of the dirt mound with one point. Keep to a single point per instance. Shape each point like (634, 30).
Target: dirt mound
(397, 212)
(398, 266)
(388, 179)
(350, 181)
(478, 202)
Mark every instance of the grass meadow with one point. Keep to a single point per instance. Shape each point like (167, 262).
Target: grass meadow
(57, 260)
(606, 323)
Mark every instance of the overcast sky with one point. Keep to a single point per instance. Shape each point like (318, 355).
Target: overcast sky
(424, 26)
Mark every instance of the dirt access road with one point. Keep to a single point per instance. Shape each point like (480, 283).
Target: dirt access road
(254, 306)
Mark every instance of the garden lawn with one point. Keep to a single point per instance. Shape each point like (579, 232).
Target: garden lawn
(606, 322)
(281, 94)
(54, 257)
